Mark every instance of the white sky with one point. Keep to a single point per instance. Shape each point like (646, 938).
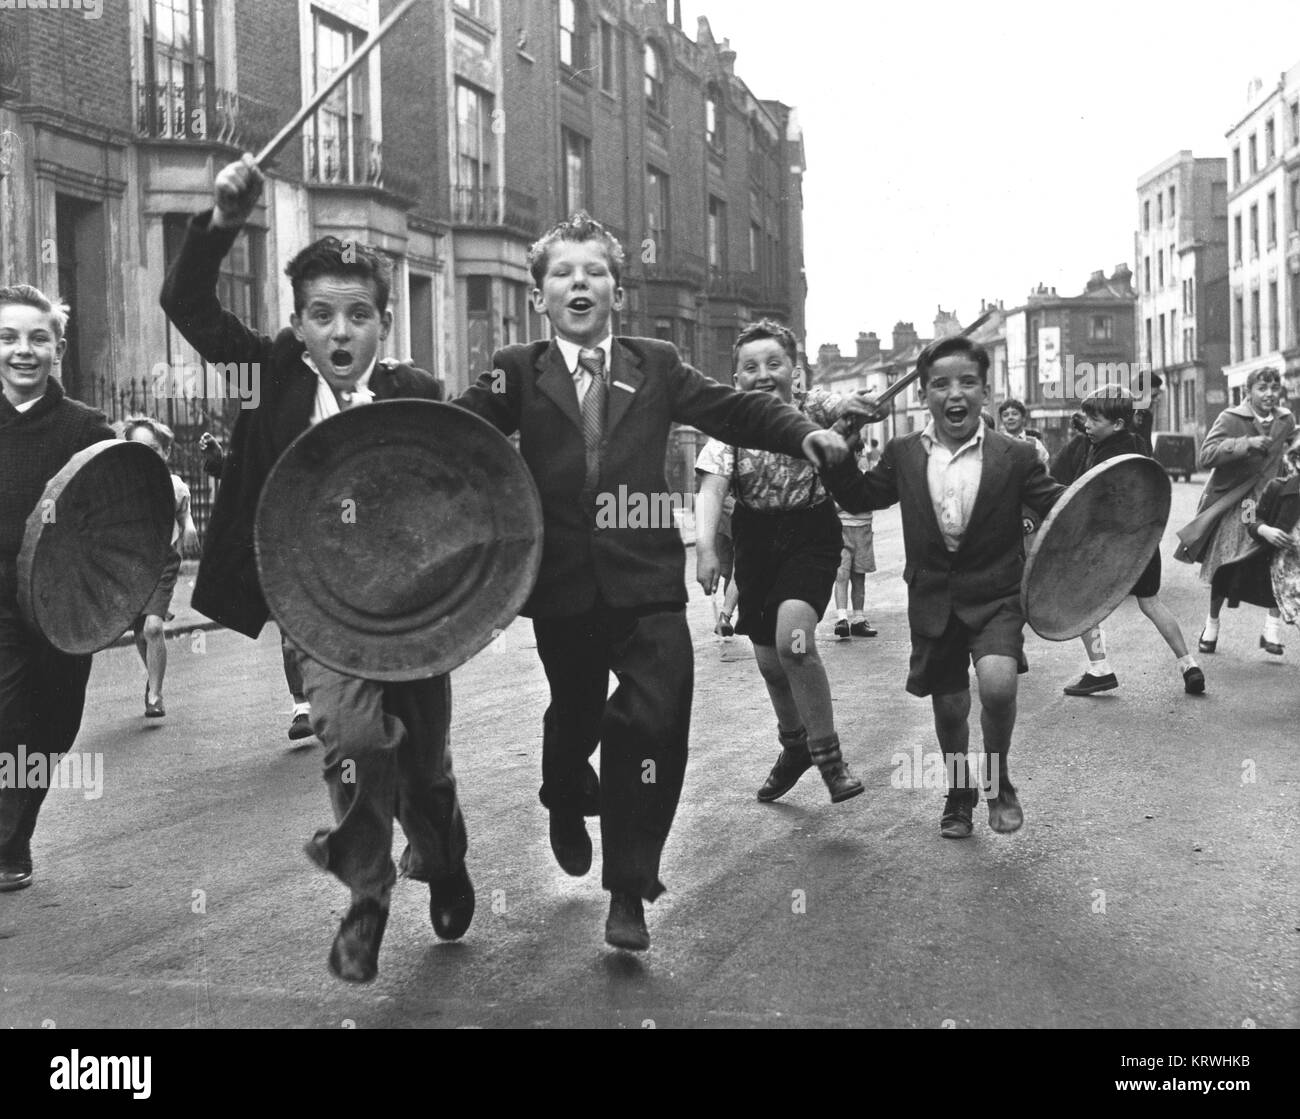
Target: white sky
(967, 150)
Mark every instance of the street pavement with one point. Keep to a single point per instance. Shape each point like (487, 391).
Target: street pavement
(1154, 883)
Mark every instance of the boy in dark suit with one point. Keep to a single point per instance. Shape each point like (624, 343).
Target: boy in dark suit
(594, 412)
(385, 743)
(42, 691)
(961, 486)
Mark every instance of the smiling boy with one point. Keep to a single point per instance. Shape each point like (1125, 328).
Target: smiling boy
(594, 412)
(42, 691)
(961, 487)
(386, 746)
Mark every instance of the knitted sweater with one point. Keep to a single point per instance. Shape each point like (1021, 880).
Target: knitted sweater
(34, 446)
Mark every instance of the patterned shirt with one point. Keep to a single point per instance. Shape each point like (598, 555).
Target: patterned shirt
(765, 480)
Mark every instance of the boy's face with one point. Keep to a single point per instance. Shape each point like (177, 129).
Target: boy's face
(763, 364)
(29, 347)
(1098, 428)
(578, 291)
(341, 326)
(955, 394)
(1263, 396)
(1013, 423)
(147, 437)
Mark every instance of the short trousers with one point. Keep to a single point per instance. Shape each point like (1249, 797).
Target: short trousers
(939, 664)
(858, 553)
(162, 593)
(1148, 584)
(780, 557)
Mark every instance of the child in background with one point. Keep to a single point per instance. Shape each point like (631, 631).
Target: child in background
(857, 559)
(150, 626)
(1108, 423)
(788, 544)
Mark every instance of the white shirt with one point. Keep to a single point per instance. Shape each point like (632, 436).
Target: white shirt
(327, 404)
(954, 481)
(570, 351)
(27, 405)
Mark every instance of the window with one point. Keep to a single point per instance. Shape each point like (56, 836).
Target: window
(1254, 231)
(1295, 205)
(473, 151)
(179, 88)
(1173, 267)
(1160, 209)
(338, 144)
(1146, 274)
(1173, 337)
(655, 70)
(1253, 154)
(1271, 217)
(713, 117)
(1236, 166)
(1189, 344)
(1254, 323)
(476, 8)
(1101, 328)
(1295, 122)
(1238, 328)
(1160, 269)
(577, 167)
(573, 34)
(1268, 140)
(1236, 238)
(1172, 211)
(1273, 324)
(755, 246)
(1149, 355)
(1163, 361)
(717, 234)
(656, 206)
(1146, 216)
(607, 53)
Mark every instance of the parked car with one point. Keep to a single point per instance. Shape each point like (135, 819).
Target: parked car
(1176, 452)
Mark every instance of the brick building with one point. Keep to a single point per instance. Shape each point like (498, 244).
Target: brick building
(477, 124)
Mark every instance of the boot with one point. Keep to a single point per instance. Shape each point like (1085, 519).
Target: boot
(790, 766)
(825, 753)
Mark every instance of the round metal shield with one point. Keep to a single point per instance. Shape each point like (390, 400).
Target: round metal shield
(1093, 546)
(394, 541)
(1285, 572)
(95, 545)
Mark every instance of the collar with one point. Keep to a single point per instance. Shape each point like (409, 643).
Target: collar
(570, 351)
(360, 392)
(1246, 412)
(930, 440)
(52, 395)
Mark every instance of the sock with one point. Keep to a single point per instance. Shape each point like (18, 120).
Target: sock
(1100, 668)
(301, 709)
(841, 615)
(825, 751)
(858, 616)
(1211, 629)
(1184, 663)
(1273, 629)
(792, 739)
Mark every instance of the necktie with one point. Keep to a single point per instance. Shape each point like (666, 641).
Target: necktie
(593, 413)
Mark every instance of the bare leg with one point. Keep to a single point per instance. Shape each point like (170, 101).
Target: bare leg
(1163, 619)
(778, 689)
(859, 582)
(154, 653)
(796, 647)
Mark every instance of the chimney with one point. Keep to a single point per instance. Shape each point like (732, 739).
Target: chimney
(1096, 281)
(827, 354)
(904, 336)
(946, 323)
(868, 346)
(1122, 278)
(677, 14)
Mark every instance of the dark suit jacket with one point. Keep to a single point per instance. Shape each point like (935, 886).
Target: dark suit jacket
(227, 589)
(530, 390)
(984, 573)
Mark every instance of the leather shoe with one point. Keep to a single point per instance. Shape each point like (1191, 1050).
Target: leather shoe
(1194, 681)
(300, 727)
(841, 783)
(571, 843)
(958, 807)
(842, 629)
(355, 955)
(14, 880)
(625, 926)
(1088, 684)
(1274, 647)
(790, 766)
(863, 629)
(1206, 644)
(1004, 810)
(451, 904)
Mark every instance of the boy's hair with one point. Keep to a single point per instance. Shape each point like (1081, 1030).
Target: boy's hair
(331, 257)
(953, 345)
(1109, 402)
(579, 228)
(161, 431)
(1266, 373)
(1015, 406)
(766, 328)
(30, 296)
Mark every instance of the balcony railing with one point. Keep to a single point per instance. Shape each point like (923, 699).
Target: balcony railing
(485, 206)
(747, 286)
(174, 111)
(333, 159)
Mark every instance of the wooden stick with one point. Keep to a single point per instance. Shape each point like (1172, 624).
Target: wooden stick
(300, 117)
